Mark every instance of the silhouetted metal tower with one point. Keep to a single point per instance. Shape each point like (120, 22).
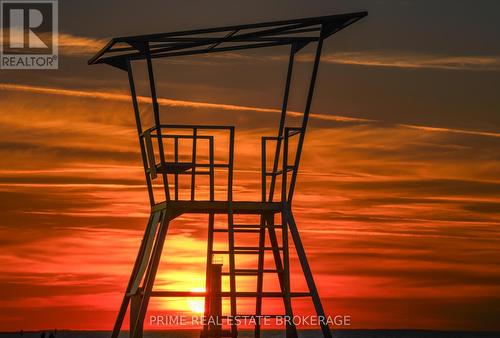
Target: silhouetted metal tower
(165, 164)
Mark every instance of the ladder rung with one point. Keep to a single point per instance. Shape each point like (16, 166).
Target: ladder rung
(264, 294)
(243, 250)
(250, 272)
(256, 226)
(236, 252)
(256, 248)
(238, 230)
(220, 252)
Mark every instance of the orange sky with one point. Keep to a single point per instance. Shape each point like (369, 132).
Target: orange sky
(400, 226)
(400, 219)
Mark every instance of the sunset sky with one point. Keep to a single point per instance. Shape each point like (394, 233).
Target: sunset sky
(398, 198)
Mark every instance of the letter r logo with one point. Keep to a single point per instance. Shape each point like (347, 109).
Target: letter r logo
(28, 27)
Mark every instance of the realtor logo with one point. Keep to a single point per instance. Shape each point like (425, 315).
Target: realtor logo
(29, 34)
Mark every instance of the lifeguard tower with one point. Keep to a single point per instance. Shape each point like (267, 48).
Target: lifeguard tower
(167, 163)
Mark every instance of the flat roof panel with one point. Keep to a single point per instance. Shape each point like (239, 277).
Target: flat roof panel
(221, 39)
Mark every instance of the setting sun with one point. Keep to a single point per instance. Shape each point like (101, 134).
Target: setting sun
(196, 305)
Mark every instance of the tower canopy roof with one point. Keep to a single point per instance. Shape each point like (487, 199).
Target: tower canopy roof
(222, 39)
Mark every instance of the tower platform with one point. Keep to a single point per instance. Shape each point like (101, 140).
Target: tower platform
(218, 207)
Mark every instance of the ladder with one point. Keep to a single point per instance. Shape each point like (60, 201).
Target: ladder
(281, 267)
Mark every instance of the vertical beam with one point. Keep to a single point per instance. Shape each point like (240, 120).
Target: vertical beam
(151, 154)
(126, 297)
(151, 274)
(264, 169)
(230, 169)
(282, 119)
(193, 160)
(137, 115)
(291, 330)
(156, 113)
(232, 274)
(286, 273)
(284, 233)
(260, 273)
(215, 307)
(284, 172)
(149, 241)
(209, 279)
(305, 119)
(210, 248)
(176, 176)
(212, 168)
(135, 303)
(307, 272)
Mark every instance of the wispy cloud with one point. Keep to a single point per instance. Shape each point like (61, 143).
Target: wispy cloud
(222, 106)
(451, 130)
(79, 45)
(395, 59)
(168, 102)
(388, 59)
(74, 45)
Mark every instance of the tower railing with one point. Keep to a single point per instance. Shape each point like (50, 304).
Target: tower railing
(188, 152)
(278, 174)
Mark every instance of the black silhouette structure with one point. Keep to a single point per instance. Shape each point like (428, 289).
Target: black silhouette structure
(166, 163)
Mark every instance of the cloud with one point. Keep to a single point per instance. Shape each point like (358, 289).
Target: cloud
(167, 102)
(389, 59)
(450, 130)
(113, 96)
(73, 45)
(413, 60)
